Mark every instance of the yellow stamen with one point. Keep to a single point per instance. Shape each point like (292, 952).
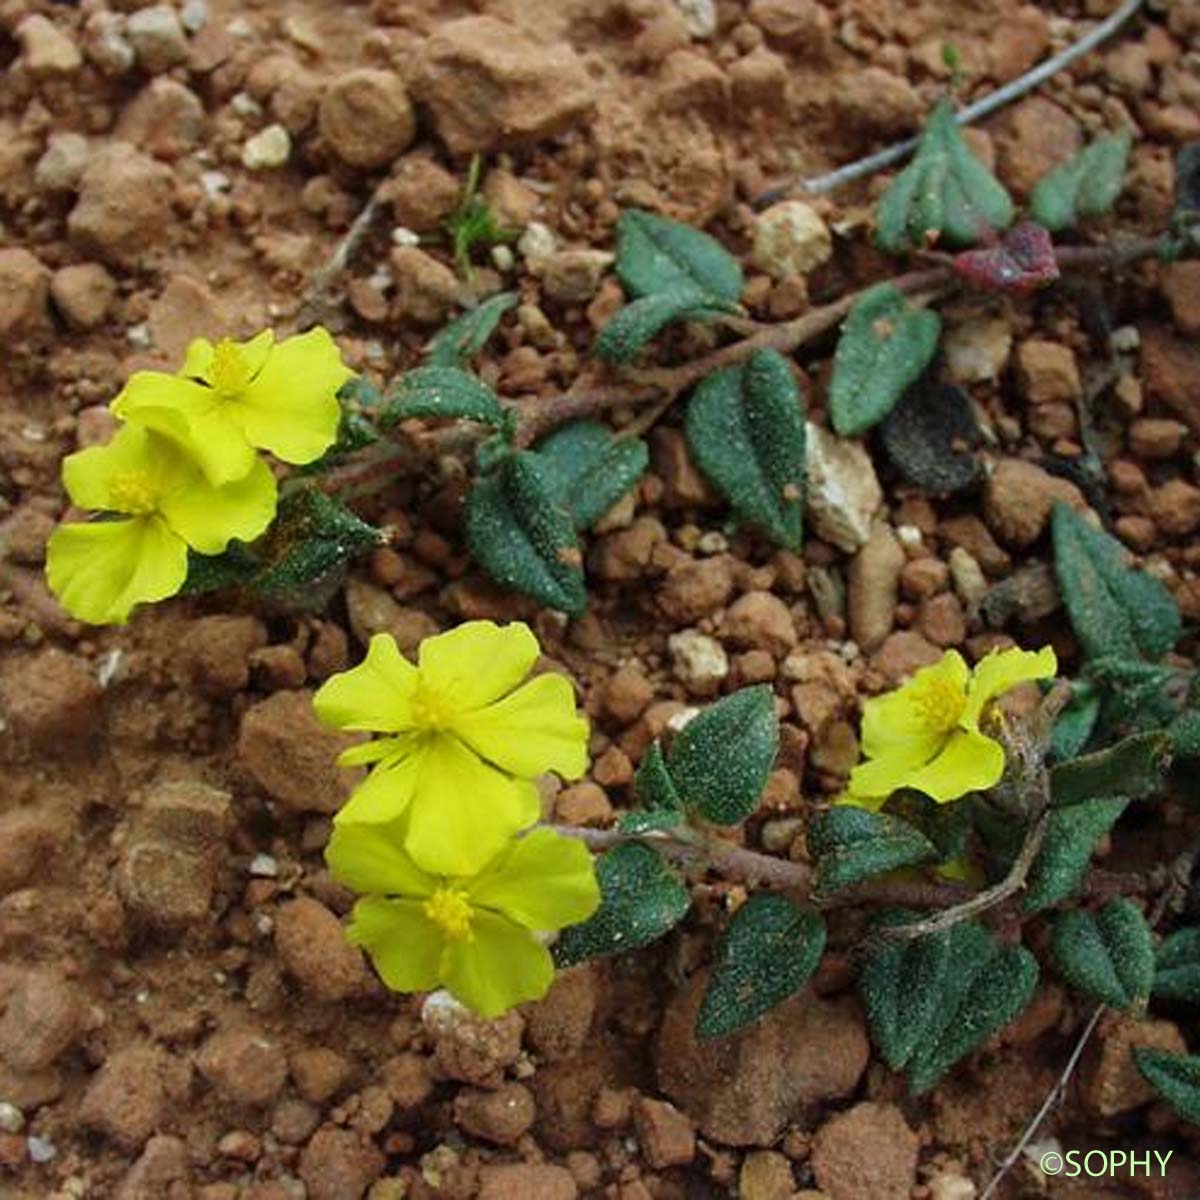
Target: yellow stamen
(429, 710)
(132, 492)
(940, 704)
(229, 372)
(450, 911)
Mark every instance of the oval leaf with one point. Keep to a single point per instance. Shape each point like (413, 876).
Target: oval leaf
(635, 324)
(1132, 768)
(465, 336)
(720, 761)
(1071, 836)
(656, 254)
(522, 537)
(1175, 1077)
(885, 345)
(641, 898)
(590, 469)
(1177, 966)
(1108, 956)
(851, 844)
(1115, 611)
(442, 392)
(745, 429)
(945, 193)
(767, 954)
(1086, 185)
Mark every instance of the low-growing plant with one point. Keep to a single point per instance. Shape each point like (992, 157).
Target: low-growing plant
(963, 827)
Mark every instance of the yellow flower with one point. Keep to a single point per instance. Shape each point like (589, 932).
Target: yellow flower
(229, 398)
(926, 736)
(473, 935)
(463, 741)
(101, 569)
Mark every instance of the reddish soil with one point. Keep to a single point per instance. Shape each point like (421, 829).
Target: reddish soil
(179, 1015)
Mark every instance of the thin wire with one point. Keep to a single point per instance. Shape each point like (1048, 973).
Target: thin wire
(981, 108)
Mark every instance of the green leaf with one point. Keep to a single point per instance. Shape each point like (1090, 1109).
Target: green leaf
(635, 324)
(442, 392)
(211, 572)
(1108, 955)
(1076, 722)
(1184, 732)
(1132, 768)
(1071, 836)
(465, 336)
(929, 435)
(522, 537)
(662, 807)
(885, 345)
(1086, 185)
(851, 844)
(1177, 966)
(641, 898)
(1137, 695)
(745, 428)
(945, 193)
(993, 996)
(590, 469)
(655, 254)
(720, 761)
(1115, 611)
(767, 954)
(1175, 1077)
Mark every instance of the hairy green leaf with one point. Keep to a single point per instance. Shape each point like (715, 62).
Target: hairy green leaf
(1073, 729)
(1184, 732)
(441, 391)
(465, 336)
(851, 844)
(1175, 1077)
(635, 324)
(656, 254)
(662, 807)
(745, 428)
(590, 469)
(522, 537)
(929, 436)
(1086, 185)
(1177, 966)
(1115, 611)
(1071, 836)
(641, 898)
(945, 193)
(767, 954)
(884, 346)
(1132, 768)
(720, 761)
(234, 567)
(1137, 696)
(1108, 955)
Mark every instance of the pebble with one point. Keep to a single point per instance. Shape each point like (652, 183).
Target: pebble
(868, 1150)
(12, 1119)
(1156, 438)
(969, 580)
(584, 803)
(62, 163)
(164, 118)
(292, 756)
(1170, 371)
(902, 653)
(537, 244)
(558, 1026)
(842, 493)
(695, 587)
(790, 238)
(760, 621)
(468, 1048)
(426, 289)
(573, 276)
(316, 953)
(1110, 1082)
(626, 694)
(699, 661)
(743, 1090)
(699, 17)
(1018, 498)
(874, 586)
(83, 293)
(1047, 372)
(40, 1149)
(320, 1073)
(267, 149)
(1181, 286)
(124, 204)
(45, 49)
(193, 16)
(422, 193)
(157, 38)
(50, 698)
(526, 1181)
(1037, 136)
(24, 288)
(671, 460)
(338, 1164)
(501, 1116)
(665, 1135)
(766, 1175)
(1175, 507)
(366, 117)
(875, 101)
(125, 1100)
(486, 85)
(977, 350)
(244, 1065)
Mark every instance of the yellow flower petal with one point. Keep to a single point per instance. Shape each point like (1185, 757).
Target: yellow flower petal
(371, 859)
(476, 663)
(103, 478)
(291, 406)
(377, 750)
(1001, 671)
(463, 810)
(893, 721)
(499, 966)
(376, 695)
(969, 762)
(207, 517)
(542, 881)
(99, 570)
(534, 729)
(198, 361)
(405, 946)
(385, 794)
(881, 776)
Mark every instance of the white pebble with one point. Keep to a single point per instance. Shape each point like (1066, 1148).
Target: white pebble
(537, 242)
(699, 16)
(215, 183)
(502, 258)
(41, 1150)
(194, 15)
(269, 148)
(403, 236)
(245, 105)
(12, 1119)
(264, 866)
